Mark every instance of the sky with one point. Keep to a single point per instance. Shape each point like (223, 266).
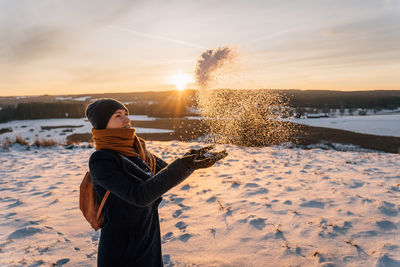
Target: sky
(76, 47)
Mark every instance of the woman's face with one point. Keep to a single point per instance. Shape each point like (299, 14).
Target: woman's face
(119, 120)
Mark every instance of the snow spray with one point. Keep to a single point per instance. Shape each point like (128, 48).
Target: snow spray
(251, 117)
(209, 62)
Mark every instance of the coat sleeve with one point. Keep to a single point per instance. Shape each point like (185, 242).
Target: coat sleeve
(160, 164)
(107, 173)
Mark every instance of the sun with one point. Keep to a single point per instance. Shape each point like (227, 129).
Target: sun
(181, 80)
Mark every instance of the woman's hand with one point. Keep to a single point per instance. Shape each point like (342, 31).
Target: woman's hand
(201, 158)
(199, 152)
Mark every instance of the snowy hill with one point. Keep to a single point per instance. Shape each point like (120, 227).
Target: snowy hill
(269, 206)
(386, 125)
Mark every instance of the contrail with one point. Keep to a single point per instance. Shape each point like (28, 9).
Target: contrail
(266, 36)
(157, 37)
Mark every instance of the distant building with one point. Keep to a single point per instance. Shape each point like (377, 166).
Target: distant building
(317, 115)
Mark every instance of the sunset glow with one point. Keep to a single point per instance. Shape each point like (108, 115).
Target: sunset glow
(128, 46)
(181, 80)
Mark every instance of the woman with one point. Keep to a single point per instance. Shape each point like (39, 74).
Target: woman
(131, 232)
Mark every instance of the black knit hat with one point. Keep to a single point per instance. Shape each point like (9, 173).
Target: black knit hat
(100, 111)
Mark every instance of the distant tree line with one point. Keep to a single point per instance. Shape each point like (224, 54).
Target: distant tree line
(340, 100)
(162, 110)
(176, 104)
(30, 111)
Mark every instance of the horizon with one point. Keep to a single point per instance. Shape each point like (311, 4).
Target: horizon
(190, 89)
(91, 46)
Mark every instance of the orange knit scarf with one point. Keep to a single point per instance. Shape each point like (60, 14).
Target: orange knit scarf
(124, 141)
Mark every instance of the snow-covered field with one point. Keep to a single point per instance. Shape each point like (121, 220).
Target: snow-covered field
(388, 124)
(30, 130)
(271, 206)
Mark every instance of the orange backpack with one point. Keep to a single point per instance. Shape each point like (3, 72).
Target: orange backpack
(89, 202)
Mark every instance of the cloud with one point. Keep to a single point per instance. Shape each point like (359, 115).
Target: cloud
(32, 30)
(158, 37)
(36, 43)
(365, 41)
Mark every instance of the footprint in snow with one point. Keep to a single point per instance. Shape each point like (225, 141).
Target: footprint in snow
(167, 261)
(185, 187)
(212, 199)
(260, 190)
(287, 202)
(25, 232)
(47, 194)
(251, 185)
(177, 213)
(388, 208)
(386, 225)
(356, 184)
(10, 215)
(53, 202)
(62, 262)
(177, 200)
(15, 204)
(385, 260)
(167, 237)
(313, 204)
(37, 263)
(235, 184)
(258, 223)
(365, 234)
(185, 237)
(277, 234)
(181, 225)
(37, 222)
(395, 188)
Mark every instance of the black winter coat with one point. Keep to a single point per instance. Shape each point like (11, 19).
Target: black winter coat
(131, 232)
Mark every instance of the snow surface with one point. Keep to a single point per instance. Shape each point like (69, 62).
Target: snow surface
(30, 130)
(82, 98)
(271, 206)
(387, 125)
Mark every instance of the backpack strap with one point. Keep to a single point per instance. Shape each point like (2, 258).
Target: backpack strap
(103, 201)
(102, 204)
